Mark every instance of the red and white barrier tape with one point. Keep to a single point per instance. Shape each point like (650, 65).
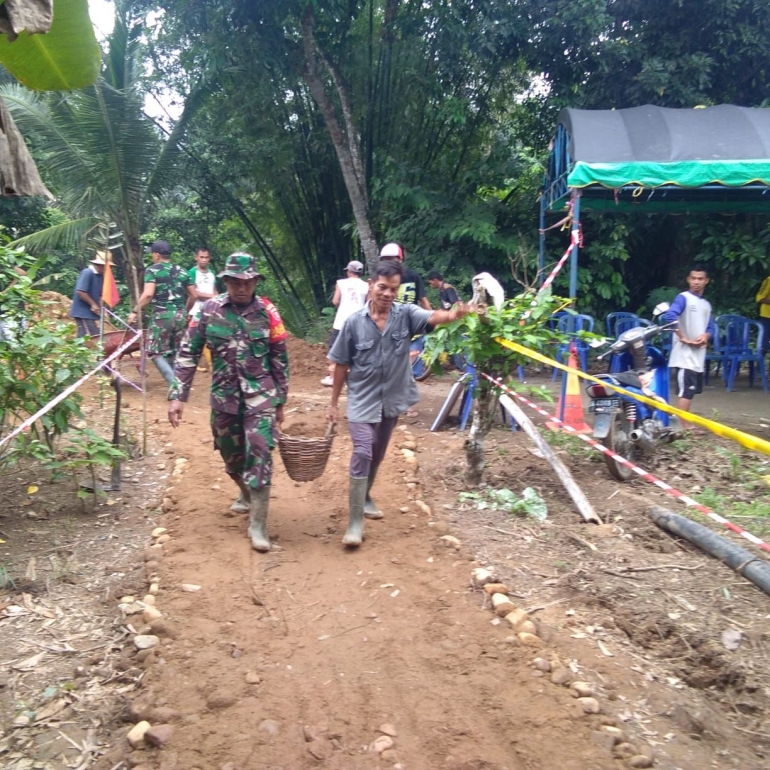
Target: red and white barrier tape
(574, 240)
(67, 391)
(646, 475)
(575, 237)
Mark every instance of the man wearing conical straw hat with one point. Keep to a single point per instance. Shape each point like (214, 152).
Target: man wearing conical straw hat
(86, 305)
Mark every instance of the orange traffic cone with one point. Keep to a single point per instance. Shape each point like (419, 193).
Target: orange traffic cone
(573, 401)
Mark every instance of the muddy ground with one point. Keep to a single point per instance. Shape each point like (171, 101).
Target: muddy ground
(305, 656)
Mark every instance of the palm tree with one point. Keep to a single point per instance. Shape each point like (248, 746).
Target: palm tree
(105, 158)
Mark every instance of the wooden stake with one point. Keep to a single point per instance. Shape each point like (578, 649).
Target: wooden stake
(584, 508)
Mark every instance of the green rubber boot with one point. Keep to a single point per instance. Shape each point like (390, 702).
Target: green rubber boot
(371, 509)
(243, 503)
(357, 495)
(260, 501)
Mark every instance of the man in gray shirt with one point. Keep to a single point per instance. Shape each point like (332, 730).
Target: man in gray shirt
(372, 354)
(695, 329)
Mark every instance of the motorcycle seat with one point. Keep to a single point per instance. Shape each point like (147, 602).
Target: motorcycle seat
(629, 378)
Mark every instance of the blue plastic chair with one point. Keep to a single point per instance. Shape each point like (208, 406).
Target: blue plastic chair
(466, 403)
(622, 325)
(613, 319)
(730, 337)
(553, 321)
(716, 354)
(570, 324)
(745, 339)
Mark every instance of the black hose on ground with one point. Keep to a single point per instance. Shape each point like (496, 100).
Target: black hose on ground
(745, 563)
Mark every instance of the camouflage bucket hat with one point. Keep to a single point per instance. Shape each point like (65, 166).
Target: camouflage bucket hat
(241, 265)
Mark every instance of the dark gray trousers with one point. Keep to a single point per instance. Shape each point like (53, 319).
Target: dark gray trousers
(370, 442)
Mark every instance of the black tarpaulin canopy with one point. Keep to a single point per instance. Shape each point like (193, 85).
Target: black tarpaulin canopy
(656, 158)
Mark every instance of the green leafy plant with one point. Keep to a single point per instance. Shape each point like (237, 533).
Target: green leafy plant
(529, 504)
(39, 358)
(86, 451)
(523, 319)
(6, 581)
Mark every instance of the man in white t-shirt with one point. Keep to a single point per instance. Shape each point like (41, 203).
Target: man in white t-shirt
(696, 327)
(349, 295)
(205, 282)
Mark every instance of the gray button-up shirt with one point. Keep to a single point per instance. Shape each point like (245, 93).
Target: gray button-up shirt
(380, 381)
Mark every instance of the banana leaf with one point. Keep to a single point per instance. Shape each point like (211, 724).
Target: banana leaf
(64, 58)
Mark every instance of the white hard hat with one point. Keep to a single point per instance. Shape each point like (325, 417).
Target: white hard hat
(392, 251)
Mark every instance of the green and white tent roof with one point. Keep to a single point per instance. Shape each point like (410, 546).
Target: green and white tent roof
(715, 156)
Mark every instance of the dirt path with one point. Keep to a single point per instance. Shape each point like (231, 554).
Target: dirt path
(305, 656)
(341, 642)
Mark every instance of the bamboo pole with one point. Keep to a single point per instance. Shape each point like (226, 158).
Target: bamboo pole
(585, 509)
(142, 357)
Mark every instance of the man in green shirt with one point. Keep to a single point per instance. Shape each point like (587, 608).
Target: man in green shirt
(249, 384)
(167, 287)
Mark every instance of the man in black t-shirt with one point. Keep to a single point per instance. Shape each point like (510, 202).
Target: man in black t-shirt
(447, 293)
(412, 290)
(448, 297)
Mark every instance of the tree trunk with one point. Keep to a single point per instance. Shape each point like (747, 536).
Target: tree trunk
(483, 417)
(345, 140)
(133, 267)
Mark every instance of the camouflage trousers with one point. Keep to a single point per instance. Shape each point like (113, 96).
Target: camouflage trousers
(245, 442)
(165, 333)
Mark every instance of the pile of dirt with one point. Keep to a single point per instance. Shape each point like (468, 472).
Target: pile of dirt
(306, 358)
(56, 305)
(304, 429)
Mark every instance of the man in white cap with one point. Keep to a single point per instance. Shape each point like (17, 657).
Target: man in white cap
(349, 296)
(86, 305)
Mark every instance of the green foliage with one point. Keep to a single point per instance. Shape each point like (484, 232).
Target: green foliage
(85, 450)
(530, 503)
(453, 105)
(736, 251)
(39, 358)
(6, 581)
(65, 57)
(475, 335)
(570, 444)
(318, 331)
(104, 157)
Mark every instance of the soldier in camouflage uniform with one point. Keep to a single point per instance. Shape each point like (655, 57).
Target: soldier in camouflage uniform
(167, 287)
(249, 384)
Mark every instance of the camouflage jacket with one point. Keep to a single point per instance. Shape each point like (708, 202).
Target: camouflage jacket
(171, 282)
(248, 351)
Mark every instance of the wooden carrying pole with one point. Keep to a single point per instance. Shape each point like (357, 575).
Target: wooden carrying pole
(585, 508)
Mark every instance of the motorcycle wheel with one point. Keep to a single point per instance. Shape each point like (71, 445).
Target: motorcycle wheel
(420, 371)
(619, 441)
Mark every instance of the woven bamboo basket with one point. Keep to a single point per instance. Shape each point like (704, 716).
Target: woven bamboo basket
(305, 458)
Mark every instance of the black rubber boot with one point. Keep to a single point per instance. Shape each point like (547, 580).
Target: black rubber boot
(260, 501)
(357, 495)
